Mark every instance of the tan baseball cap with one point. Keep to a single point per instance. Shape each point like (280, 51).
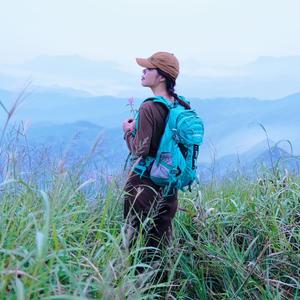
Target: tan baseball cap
(165, 61)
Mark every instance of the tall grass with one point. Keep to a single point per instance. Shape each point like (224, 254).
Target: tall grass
(237, 240)
(65, 239)
(248, 246)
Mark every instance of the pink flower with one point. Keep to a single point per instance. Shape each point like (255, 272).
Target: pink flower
(133, 111)
(131, 101)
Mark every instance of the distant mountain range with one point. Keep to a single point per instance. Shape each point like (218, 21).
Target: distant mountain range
(266, 78)
(80, 140)
(77, 140)
(264, 155)
(231, 125)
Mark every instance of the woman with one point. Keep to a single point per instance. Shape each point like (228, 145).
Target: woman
(143, 198)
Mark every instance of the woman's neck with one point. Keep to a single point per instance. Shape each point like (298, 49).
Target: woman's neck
(161, 91)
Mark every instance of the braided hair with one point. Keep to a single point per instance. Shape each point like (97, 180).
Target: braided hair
(170, 86)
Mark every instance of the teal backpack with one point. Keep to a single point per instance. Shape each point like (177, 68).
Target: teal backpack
(175, 163)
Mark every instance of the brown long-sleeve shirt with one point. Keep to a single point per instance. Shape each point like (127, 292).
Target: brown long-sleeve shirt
(151, 125)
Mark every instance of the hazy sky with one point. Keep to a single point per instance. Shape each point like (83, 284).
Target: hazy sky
(209, 31)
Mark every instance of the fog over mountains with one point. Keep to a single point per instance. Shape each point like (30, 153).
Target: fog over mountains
(265, 78)
(62, 111)
(232, 126)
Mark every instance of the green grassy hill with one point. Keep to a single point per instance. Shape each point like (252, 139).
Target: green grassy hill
(232, 240)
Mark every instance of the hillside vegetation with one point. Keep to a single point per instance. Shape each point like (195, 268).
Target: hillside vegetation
(65, 239)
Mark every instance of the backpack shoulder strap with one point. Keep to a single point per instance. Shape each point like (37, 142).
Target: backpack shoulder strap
(160, 99)
(182, 102)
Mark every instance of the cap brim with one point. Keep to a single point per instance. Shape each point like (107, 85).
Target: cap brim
(144, 62)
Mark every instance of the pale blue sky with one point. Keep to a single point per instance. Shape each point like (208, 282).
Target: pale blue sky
(209, 31)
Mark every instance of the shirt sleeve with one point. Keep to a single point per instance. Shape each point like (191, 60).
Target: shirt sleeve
(139, 144)
(128, 137)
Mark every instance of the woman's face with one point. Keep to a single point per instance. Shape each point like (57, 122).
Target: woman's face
(150, 78)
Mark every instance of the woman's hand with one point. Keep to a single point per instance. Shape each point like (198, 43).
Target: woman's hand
(129, 125)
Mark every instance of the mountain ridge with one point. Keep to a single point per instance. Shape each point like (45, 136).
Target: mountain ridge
(266, 77)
